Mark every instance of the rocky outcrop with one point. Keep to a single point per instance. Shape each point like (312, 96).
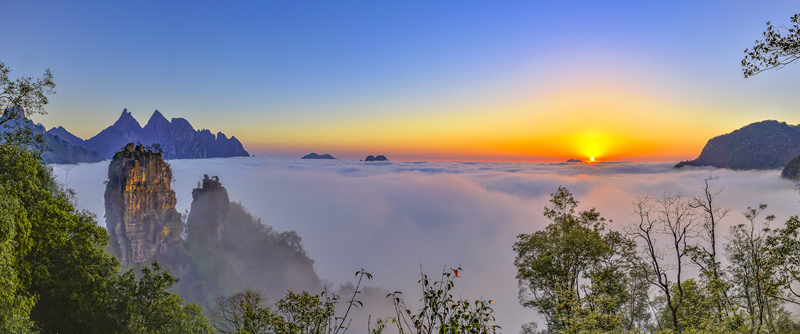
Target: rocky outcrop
(227, 249)
(140, 205)
(761, 145)
(210, 214)
(791, 170)
(317, 156)
(376, 158)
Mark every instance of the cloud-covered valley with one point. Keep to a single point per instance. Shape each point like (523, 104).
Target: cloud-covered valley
(390, 217)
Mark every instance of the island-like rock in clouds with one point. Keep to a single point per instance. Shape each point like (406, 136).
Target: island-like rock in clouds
(317, 156)
(574, 160)
(376, 158)
(140, 205)
(762, 145)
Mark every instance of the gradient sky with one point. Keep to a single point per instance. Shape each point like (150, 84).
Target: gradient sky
(439, 80)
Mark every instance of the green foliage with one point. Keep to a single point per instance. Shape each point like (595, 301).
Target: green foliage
(53, 255)
(754, 282)
(698, 313)
(780, 47)
(26, 92)
(297, 313)
(784, 252)
(243, 312)
(441, 312)
(554, 265)
(15, 306)
(150, 308)
(304, 313)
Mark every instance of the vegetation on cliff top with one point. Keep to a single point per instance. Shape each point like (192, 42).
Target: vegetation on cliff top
(761, 145)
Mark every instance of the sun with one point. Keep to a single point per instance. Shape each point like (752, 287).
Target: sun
(591, 159)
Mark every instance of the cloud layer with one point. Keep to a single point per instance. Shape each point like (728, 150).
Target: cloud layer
(390, 217)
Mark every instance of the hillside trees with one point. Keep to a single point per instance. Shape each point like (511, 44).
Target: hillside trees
(61, 271)
(55, 275)
(780, 47)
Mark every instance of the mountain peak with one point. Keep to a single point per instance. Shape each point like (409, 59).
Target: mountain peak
(157, 119)
(126, 121)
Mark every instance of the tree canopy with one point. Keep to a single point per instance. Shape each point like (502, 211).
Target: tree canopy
(780, 47)
(29, 93)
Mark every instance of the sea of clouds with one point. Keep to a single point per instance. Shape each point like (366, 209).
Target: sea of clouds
(393, 217)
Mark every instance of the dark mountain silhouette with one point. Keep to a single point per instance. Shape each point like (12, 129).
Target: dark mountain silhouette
(64, 135)
(376, 158)
(125, 130)
(317, 156)
(55, 150)
(762, 145)
(177, 138)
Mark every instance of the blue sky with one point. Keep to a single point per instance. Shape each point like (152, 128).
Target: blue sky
(281, 75)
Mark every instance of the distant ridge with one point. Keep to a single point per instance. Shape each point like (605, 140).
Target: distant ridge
(761, 145)
(177, 138)
(317, 156)
(58, 148)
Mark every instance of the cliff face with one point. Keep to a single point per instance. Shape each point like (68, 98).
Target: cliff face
(210, 213)
(761, 145)
(227, 250)
(140, 205)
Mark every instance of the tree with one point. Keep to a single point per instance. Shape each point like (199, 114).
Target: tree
(25, 94)
(754, 275)
(554, 266)
(780, 47)
(148, 307)
(705, 256)
(243, 312)
(669, 216)
(784, 251)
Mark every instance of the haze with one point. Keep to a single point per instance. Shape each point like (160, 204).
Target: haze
(390, 218)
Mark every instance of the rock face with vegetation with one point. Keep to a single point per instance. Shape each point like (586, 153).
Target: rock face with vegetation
(211, 209)
(140, 205)
(761, 145)
(227, 250)
(791, 170)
